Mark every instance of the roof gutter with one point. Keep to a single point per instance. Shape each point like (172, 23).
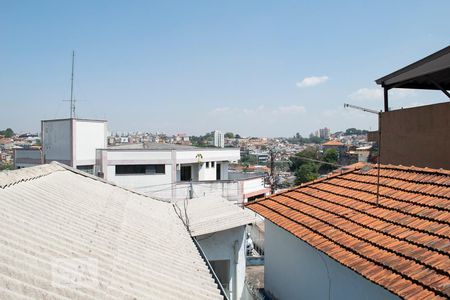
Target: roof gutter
(216, 279)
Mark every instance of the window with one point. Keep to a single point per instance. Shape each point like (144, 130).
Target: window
(86, 168)
(212, 164)
(207, 164)
(185, 173)
(140, 169)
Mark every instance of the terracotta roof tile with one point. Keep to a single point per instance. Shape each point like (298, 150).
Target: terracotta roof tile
(401, 243)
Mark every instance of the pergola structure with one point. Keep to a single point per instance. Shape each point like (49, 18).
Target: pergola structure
(429, 73)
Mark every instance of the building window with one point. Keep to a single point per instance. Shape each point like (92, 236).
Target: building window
(185, 173)
(140, 169)
(86, 168)
(207, 164)
(212, 164)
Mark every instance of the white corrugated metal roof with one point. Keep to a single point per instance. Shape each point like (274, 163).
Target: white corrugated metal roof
(64, 235)
(212, 214)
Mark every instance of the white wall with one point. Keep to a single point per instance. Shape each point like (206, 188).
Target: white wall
(150, 156)
(145, 182)
(57, 140)
(189, 156)
(220, 246)
(295, 270)
(254, 185)
(89, 136)
(205, 173)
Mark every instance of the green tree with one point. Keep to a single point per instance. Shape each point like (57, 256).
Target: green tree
(6, 166)
(316, 140)
(229, 135)
(331, 156)
(306, 172)
(249, 159)
(297, 160)
(7, 133)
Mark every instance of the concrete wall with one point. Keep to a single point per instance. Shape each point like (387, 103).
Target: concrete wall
(295, 270)
(148, 182)
(138, 157)
(205, 173)
(89, 136)
(190, 156)
(159, 186)
(228, 245)
(418, 136)
(57, 141)
(24, 158)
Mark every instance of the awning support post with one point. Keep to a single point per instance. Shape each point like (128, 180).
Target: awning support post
(386, 99)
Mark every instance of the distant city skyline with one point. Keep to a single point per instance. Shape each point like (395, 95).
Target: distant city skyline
(249, 67)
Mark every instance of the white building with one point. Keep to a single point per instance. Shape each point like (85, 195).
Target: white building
(69, 141)
(219, 139)
(324, 133)
(219, 227)
(168, 171)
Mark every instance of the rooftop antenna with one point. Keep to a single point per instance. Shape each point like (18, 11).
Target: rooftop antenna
(372, 111)
(72, 101)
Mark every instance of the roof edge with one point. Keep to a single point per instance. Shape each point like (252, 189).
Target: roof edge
(357, 168)
(420, 62)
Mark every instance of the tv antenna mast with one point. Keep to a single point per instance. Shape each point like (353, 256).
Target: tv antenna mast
(72, 100)
(372, 111)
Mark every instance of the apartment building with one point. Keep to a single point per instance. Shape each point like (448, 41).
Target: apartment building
(69, 141)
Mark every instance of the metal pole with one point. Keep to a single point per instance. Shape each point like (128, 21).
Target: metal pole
(72, 102)
(379, 157)
(272, 171)
(191, 190)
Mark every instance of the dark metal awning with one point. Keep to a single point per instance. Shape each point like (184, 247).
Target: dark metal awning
(430, 73)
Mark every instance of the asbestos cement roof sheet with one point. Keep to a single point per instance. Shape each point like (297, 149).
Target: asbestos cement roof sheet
(400, 242)
(66, 235)
(211, 214)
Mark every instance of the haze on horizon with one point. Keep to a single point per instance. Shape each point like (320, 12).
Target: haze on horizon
(255, 68)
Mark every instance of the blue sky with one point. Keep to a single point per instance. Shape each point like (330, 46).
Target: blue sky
(262, 68)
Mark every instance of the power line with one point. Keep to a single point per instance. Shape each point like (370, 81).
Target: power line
(314, 160)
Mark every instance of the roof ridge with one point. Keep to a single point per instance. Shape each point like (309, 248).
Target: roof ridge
(340, 172)
(12, 177)
(415, 169)
(90, 176)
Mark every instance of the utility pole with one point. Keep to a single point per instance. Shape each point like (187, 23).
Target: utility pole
(272, 171)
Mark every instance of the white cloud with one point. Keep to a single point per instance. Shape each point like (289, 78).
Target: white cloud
(219, 110)
(311, 81)
(291, 110)
(402, 93)
(261, 109)
(377, 94)
(367, 94)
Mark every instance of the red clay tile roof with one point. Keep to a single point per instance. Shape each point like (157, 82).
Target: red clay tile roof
(333, 143)
(401, 244)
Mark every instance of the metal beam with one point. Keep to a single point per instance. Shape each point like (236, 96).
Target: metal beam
(438, 86)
